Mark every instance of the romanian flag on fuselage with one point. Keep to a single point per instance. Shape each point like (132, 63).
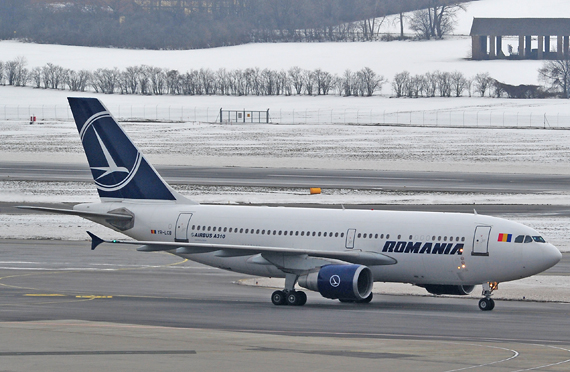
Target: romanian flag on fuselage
(505, 238)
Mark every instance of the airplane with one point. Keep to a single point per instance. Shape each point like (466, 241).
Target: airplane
(338, 253)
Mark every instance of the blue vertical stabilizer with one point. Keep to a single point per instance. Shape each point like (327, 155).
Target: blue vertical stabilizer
(119, 169)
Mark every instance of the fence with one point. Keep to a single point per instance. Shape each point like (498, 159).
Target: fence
(447, 118)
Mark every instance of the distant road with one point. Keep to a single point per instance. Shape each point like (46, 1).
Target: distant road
(303, 178)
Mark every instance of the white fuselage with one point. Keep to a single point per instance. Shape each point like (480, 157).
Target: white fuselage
(430, 248)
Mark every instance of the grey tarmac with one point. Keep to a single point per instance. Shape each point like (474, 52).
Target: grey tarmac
(66, 308)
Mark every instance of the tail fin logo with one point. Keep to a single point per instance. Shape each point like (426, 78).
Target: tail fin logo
(110, 172)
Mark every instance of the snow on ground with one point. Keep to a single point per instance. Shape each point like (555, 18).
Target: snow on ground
(310, 146)
(386, 58)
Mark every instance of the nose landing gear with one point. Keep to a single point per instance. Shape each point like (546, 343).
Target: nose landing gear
(487, 303)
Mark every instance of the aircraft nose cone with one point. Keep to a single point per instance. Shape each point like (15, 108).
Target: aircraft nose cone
(552, 255)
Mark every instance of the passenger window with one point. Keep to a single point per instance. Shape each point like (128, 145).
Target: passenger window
(296, 233)
(364, 236)
(387, 236)
(336, 235)
(314, 233)
(411, 237)
(376, 236)
(325, 234)
(539, 239)
(342, 235)
(359, 235)
(302, 233)
(527, 239)
(285, 232)
(330, 234)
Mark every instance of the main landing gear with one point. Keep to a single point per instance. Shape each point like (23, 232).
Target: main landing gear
(487, 303)
(289, 296)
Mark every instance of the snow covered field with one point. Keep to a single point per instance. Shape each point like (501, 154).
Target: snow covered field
(386, 58)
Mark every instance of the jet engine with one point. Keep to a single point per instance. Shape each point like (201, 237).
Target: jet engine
(440, 289)
(345, 282)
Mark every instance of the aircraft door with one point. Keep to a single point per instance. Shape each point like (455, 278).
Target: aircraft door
(350, 238)
(481, 241)
(181, 233)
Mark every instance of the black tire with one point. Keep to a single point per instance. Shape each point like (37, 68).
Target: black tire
(302, 298)
(278, 298)
(366, 300)
(346, 300)
(293, 298)
(486, 304)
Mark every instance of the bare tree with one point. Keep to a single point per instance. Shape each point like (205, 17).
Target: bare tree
(557, 74)
(309, 82)
(437, 20)
(370, 81)
(173, 82)
(16, 72)
(444, 84)
(458, 83)
(36, 77)
(1, 73)
(105, 80)
(131, 79)
(483, 82)
(78, 81)
(296, 77)
(346, 83)
(399, 83)
(431, 81)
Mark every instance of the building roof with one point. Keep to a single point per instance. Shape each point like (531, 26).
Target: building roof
(520, 26)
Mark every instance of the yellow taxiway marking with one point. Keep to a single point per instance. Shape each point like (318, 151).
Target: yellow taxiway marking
(92, 297)
(45, 295)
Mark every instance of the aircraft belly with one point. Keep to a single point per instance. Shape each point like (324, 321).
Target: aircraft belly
(235, 264)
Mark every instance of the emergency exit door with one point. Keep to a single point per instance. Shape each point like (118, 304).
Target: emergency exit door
(481, 241)
(181, 232)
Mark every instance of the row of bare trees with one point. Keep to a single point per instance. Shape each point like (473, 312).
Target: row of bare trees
(442, 84)
(148, 80)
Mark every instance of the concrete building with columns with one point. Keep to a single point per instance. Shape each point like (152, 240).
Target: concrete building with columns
(550, 36)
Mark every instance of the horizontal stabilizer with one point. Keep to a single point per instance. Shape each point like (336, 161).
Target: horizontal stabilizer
(95, 240)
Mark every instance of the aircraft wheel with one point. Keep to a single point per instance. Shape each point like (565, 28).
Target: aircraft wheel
(486, 304)
(293, 298)
(346, 300)
(366, 300)
(302, 298)
(278, 298)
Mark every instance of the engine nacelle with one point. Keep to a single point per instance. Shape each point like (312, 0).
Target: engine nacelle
(440, 289)
(347, 282)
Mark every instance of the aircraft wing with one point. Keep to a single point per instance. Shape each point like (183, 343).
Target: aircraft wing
(73, 212)
(230, 250)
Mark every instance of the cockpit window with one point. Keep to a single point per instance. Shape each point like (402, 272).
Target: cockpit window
(538, 239)
(519, 239)
(527, 239)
